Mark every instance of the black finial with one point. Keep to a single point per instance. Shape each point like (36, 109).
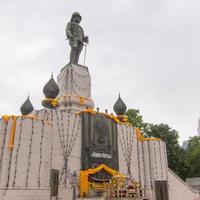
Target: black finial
(26, 107)
(51, 88)
(97, 109)
(119, 107)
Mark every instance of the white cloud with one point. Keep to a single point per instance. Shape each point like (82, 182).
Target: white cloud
(147, 50)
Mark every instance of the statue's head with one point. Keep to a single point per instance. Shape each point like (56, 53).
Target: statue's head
(76, 17)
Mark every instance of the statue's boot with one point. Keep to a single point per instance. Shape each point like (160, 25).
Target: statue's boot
(78, 52)
(73, 55)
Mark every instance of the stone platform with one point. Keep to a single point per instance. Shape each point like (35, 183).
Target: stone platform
(74, 82)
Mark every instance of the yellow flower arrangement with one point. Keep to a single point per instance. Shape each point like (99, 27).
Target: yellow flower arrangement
(141, 138)
(6, 118)
(50, 102)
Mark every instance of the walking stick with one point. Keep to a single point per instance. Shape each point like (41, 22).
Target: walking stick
(85, 51)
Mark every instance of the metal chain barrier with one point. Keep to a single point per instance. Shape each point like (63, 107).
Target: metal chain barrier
(3, 144)
(126, 141)
(29, 156)
(138, 156)
(17, 152)
(144, 166)
(150, 166)
(75, 86)
(68, 143)
(40, 162)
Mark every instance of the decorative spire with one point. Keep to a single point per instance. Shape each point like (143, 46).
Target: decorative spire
(26, 107)
(51, 88)
(119, 107)
(198, 128)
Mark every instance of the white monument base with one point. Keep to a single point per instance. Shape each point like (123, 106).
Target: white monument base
(74, 82)
(25, 194)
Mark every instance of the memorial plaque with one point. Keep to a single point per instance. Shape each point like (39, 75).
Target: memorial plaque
(99, 141)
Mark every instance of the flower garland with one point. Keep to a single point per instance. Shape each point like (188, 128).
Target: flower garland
(82, 100)
(141, 138)
(84, 185)
(53, 102)
(6, 118)
(111, 116)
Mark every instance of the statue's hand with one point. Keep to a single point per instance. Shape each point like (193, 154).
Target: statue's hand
(69, 35)
(86, 39)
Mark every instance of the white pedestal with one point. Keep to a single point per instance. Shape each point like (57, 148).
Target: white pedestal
(74, 82)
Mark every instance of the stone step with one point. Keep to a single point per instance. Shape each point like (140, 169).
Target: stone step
(95, 198)
(105, 198)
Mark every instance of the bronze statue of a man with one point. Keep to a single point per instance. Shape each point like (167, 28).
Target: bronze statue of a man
(75, 34)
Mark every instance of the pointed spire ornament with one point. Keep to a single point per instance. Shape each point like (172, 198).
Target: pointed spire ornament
(119, 107)
(51, 88)
(26, 107)
(51, 91)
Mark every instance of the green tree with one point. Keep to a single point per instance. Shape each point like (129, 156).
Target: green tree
(176, 155)
(193, 143)
(135, 118)
(193, 156)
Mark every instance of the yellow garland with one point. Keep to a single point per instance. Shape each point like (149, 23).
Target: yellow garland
(122, 118)
(82, 100)
(53, 102)
(6, 118)
(84, 183)
(88, 110)
(141, 138)
(12, 133)
(98, 186)
(115, 118)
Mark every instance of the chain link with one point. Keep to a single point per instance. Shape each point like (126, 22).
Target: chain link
(3, 144)
(29, 156)
(68, 146)
(126, 141)
(17, 152)
(40, 162)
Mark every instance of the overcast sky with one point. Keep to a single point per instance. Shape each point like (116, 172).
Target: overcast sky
(148, 50)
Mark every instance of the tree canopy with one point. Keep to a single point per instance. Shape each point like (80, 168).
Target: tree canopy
(135, 118)
(185, 163)
(193, 156)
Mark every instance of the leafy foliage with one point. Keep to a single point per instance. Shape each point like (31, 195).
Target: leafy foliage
(175, 154)
(177, 157)
(135, 118)
(193, 156)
